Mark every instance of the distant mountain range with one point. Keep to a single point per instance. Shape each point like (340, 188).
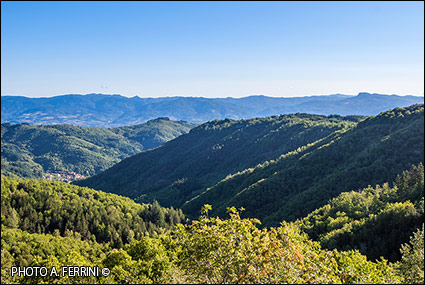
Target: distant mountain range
(100, 110)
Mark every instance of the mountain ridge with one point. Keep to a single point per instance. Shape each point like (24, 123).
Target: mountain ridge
(100, 110)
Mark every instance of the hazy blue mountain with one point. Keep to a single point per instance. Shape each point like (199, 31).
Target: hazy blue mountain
(99, 110)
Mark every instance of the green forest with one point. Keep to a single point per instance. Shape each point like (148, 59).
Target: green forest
(185, 166)
(208, 142)
(286, 199)
(41, 206)
(31, 151)
(374, 220)
(271, 166)
(173, 250)
(373, 152)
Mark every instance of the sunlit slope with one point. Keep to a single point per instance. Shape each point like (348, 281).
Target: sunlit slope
(186, 166)
(51, 207)
(373, 152)
(29, 151)
(374, 220)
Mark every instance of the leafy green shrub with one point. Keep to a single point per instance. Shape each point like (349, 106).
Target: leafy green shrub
(213, 250)
(411, 267)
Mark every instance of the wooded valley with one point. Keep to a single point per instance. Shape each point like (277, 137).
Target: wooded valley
(294, 198)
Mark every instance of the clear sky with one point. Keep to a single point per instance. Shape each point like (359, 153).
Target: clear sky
(211, 49)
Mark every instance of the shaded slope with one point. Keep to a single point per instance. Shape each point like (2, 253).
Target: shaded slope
(373, 152)
(184, 167)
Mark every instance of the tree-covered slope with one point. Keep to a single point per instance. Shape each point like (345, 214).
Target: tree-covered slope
(30, 151)
(22, 249)
(208, 251)
(41, 206)
(184, 167)
(373, 152)
(375, 221)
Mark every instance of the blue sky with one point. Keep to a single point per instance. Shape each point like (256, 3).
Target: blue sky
(211, 49)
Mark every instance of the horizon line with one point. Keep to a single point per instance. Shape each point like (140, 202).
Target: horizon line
(191, 96)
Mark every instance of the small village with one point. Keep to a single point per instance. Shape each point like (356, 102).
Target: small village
(64, 177)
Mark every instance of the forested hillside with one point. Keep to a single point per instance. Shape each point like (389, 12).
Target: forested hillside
(99, 232)
(375, 220)
(208, 250)
(40, 206)
(184, 167)
(303, 182)
(373, 152)
(31, 151)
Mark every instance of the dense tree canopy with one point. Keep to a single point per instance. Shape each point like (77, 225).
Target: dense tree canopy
(184, 167)
(411, 267)
(298, 182)
(375, 221)
(40, 206)
(219, 251)
(210, 250)
(309, 184)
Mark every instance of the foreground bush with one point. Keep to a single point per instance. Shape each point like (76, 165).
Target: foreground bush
(236, 251)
